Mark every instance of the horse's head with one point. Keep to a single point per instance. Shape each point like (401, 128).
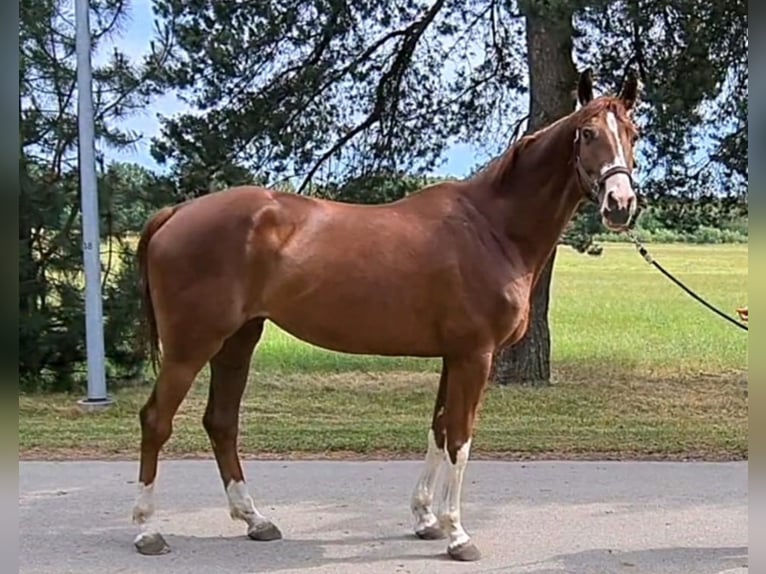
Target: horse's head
(604, 140)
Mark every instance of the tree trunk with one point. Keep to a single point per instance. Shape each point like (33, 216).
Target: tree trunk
(553, 82)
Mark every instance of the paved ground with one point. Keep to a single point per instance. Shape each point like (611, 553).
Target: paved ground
(353, 517)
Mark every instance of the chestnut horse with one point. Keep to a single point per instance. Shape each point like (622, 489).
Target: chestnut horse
(445, 272)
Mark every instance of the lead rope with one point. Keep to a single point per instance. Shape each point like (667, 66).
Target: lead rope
(651, 261)
(592, 194)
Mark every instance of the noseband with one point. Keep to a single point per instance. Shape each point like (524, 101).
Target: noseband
(594, 187)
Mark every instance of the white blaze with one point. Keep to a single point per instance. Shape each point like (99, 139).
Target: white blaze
(618, 184)
(619, 159)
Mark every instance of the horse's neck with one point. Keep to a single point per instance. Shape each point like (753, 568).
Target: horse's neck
(532, 198)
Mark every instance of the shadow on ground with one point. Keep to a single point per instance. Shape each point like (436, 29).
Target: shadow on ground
(240, 554)
(686, 560)
(404, 553)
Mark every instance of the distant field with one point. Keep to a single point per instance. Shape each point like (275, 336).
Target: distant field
(641, 371)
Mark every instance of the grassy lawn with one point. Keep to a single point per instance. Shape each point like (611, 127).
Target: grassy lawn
(641, 371)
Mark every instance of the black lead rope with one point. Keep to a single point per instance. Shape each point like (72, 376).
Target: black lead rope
(649, 259)
(592, 192)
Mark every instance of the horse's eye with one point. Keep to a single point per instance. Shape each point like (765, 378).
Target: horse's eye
(588, 134)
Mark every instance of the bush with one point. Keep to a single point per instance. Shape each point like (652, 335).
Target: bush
(676, 221)
(704, 235)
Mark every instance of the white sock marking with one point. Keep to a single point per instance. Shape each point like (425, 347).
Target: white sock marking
(423, 496)
(143, 510)
(450, 515)
(241, 505)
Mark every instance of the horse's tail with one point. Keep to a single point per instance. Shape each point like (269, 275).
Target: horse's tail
(149, 319)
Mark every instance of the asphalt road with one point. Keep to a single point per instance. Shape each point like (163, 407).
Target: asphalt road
(353, 517)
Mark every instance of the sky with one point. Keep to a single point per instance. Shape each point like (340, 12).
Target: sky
(138, 30)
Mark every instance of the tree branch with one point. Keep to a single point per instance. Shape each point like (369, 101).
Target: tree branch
(638, 46)
(395, 74)
(156, 64)
(517, 130)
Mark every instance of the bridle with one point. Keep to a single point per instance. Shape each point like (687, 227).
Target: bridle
(595, 187)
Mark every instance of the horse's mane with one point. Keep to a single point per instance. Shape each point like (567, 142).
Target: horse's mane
(499, 168)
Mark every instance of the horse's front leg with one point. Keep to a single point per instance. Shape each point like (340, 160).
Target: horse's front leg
(426, 524)
(466, 381)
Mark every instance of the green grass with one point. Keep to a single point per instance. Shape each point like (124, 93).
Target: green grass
(387, 415)
(641, 371)
(617, 309)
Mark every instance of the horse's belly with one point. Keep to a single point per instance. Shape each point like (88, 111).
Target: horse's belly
(350, 327)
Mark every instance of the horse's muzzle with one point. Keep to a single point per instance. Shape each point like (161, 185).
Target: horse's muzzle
(619, 204)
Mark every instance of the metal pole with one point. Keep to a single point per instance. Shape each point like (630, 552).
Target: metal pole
(94, 334)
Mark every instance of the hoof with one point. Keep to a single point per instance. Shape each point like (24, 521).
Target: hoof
(466, 552)
(264, 532)
(430, 533)
(151, 544)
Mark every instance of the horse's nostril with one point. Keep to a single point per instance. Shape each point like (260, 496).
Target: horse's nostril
(611, 201)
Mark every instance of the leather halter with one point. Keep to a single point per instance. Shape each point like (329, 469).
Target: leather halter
(594, 187)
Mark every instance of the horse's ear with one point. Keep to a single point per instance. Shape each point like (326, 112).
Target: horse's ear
(585, 87)
(629, 90)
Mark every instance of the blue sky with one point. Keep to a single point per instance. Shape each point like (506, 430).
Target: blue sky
(133, 40)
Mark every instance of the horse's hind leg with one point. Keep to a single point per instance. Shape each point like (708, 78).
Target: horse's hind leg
(229, 369)
(173, 382)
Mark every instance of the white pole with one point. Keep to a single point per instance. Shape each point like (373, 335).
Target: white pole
(94, 334)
